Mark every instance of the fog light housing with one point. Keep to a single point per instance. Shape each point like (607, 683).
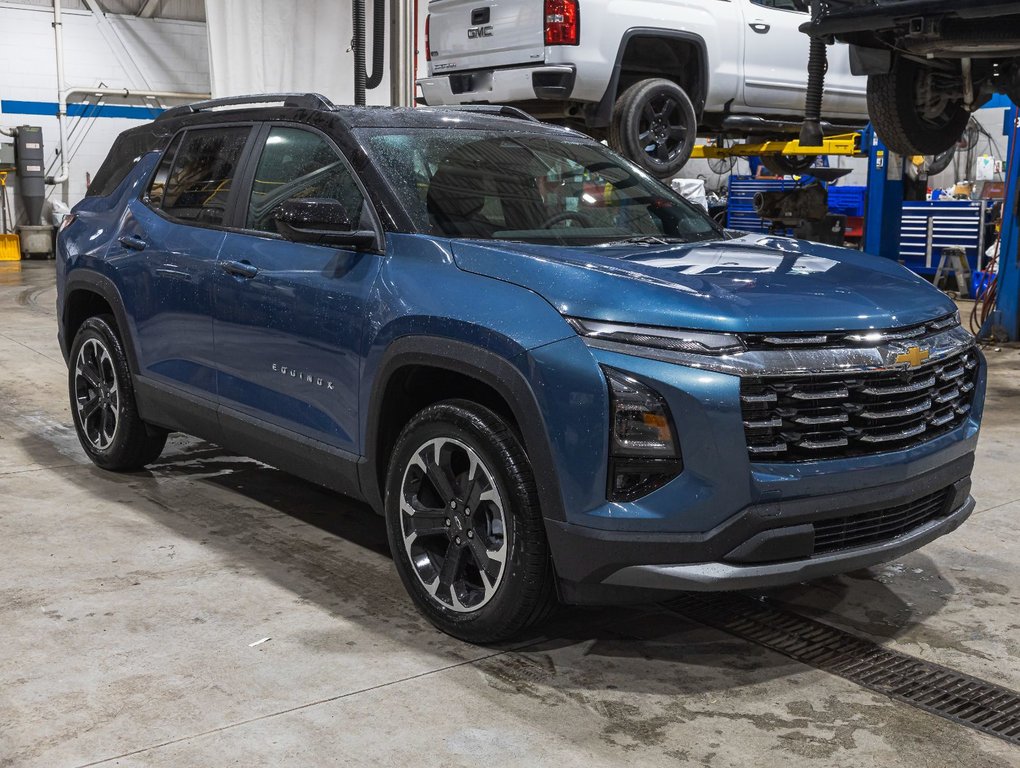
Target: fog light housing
(644, 453)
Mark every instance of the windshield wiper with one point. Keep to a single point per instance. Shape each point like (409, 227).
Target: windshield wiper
(646, 240)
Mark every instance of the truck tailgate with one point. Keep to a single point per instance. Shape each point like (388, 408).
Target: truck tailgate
(475, 34)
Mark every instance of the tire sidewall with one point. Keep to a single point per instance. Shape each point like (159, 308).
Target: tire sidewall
(113, 456)
(510, 476)
(892, 106)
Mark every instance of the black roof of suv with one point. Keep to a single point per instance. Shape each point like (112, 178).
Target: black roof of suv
(312, 109)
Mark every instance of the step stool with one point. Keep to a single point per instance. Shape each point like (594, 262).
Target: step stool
(954, 259)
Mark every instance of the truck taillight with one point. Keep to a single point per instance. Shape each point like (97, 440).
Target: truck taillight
(562, 22)
(428, 44)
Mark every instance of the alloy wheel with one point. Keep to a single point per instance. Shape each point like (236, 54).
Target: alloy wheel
(453, 524)
(662, 129)
(96, 394)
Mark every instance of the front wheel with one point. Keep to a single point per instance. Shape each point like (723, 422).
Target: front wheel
(464, 524)
(654, 125)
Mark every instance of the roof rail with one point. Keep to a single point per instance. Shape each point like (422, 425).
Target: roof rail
(300, 100)
(500, 110)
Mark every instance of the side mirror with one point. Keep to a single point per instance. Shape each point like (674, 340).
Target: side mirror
(320, 221)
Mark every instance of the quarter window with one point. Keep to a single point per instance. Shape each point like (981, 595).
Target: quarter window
(197, 186)
(300, 164)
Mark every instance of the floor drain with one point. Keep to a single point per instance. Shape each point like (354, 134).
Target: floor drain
(933, 688)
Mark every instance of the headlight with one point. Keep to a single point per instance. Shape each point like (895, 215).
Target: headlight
(644, 453)
(694, 342)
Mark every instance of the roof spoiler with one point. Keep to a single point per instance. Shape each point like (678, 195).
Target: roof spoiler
(298, 100)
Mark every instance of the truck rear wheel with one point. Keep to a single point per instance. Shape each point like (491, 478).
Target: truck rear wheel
(654, 126)
(912, 112)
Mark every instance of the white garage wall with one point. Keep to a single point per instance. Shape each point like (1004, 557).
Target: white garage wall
(146, 54)
(265, 46)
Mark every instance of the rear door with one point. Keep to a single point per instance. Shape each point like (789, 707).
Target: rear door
(166, 251)
(776, 58)
(476, 34)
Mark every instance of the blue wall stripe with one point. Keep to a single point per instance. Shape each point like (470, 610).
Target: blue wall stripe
(49, 108)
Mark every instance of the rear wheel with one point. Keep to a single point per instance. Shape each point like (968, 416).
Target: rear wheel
(654, 125)
(914, 110)
(103, 401)
(464, 524)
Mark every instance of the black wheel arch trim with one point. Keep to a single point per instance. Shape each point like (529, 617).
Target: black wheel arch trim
(604, 109)
(83, 279)
(490, 369)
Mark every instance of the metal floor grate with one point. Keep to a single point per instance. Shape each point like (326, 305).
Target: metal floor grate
(941, 691)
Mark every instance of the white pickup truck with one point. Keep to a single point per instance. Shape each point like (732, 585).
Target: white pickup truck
(648, 75)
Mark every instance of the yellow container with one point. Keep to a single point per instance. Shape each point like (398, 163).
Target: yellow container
(10, 248)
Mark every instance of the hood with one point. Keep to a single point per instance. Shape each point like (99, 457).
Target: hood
(752, 284)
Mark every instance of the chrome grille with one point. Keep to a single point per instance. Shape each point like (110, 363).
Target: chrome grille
(879, 525)
(843, 339)
(804, 418)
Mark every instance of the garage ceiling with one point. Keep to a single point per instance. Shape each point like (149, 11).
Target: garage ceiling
(187, 10)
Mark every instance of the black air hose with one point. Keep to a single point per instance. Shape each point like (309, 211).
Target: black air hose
(358, 43)
(378, 43)
(811, 131)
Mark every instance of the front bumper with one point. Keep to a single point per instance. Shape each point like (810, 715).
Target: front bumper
(764, 545)
(499, 86)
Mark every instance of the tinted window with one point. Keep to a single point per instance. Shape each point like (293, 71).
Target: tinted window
(198, 186)
(534, 188)
(800, 6)
(127, 150)
(158, 185)
(298, 164)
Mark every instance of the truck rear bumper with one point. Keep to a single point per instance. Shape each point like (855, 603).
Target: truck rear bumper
(499, 86)
(765, 545)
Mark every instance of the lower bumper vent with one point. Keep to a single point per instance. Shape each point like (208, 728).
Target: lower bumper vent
(881, 524)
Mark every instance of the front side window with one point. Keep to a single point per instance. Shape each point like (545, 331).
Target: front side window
(298, 164)
(197, 186)
(528, 187)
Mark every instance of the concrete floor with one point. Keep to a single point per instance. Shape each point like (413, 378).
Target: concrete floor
(129, 605)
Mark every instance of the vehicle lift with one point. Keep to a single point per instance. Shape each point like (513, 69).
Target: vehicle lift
(884, 205)
(1005, 316)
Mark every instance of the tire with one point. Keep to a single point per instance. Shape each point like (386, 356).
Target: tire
(654, 113)
(111, 433)
(787, 165)
(479, 598)
(905, 125)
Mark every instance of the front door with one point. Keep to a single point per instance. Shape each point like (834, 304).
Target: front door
(290, 316)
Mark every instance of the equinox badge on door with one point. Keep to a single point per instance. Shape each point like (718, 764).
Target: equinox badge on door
(294, 373)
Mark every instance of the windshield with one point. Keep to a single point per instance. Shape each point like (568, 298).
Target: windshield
(491, 185)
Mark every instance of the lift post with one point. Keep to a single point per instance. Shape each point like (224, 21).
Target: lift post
(1007, 312)
(884, 198)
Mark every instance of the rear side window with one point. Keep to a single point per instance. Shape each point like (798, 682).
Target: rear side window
(127, 150)
(197, 187)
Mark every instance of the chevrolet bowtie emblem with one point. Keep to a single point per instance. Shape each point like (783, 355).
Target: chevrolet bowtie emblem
(913, 357)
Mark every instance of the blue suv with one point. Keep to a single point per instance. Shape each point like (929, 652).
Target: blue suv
(554, 377)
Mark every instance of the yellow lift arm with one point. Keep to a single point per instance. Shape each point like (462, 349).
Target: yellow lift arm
(846, 144)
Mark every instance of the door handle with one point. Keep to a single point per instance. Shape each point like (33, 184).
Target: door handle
(240, 269)
(134, 242)
(760, 27)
